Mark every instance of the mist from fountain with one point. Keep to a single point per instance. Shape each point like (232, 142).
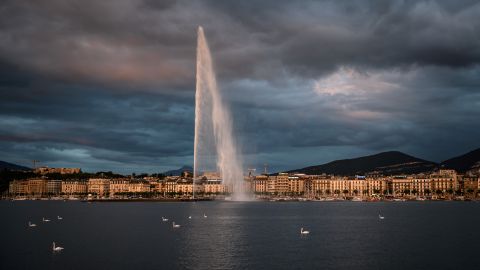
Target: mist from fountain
(215, 148)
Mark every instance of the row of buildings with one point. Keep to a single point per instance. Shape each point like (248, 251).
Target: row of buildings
(442, 183)
(101, 187)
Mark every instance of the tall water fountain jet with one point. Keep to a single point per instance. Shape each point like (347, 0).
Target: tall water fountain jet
(215, 148)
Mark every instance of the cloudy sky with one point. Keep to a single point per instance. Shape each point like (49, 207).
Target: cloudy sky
(110, 85)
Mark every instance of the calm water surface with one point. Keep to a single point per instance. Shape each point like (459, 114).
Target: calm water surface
(257, 235)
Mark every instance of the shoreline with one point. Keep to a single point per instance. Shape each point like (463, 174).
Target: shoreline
(280, 200)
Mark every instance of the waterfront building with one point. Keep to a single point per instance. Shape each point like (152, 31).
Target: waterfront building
(339, 186)
(184, 186)
(421, 185)
(156, 186)
(470, 185)
(54, 187)
(357, 186)
(74, 187)
(320, 186)
(139, 187)
(215, 187)
(119, 186)
(444, 182)
(402, 185)
(18, 187)
(170, 186)
(296, 184)
(37, 187)
(260, 184)
(282, 183)
(271, 184)
(98, 186)
(376, 185)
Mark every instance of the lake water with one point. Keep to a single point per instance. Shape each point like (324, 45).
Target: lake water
(256, 235)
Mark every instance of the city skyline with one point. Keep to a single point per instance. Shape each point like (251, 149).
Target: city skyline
(112, 86)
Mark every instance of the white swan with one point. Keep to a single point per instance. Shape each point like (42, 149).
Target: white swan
(380, 216)
(55, 248)
(30, 224)
(175, 225)
(45, 220)
(304, 231)
(164, 219)
(59, 217)
(204, 216)
(189, 217)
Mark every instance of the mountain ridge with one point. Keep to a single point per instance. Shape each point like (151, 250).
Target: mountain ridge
(178, 171)
(387, 163)
(14, 167)
(463, 163)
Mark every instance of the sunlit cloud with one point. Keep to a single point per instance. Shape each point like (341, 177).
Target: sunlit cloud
(349, 81)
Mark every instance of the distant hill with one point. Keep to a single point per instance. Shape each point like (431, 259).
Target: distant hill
(387, 163)
(463, 163)
(13, 167)
(178, 172)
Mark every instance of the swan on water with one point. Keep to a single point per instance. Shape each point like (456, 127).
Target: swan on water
(164, 219)
(30, 224)
(56, 248)
(175, 225)
(302, 231)
(45, 220)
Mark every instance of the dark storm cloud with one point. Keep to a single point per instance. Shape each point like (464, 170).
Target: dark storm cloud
(111, 84)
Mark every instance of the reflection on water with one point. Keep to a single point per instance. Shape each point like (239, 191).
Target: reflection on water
(255, 235)
(215, 242)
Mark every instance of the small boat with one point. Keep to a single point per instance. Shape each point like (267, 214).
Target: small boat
(380, 217)
(357, 199)
(175, 225)
(304, 232)
(30, 224)
(164, 219)
(56, 248)
(45, 220)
